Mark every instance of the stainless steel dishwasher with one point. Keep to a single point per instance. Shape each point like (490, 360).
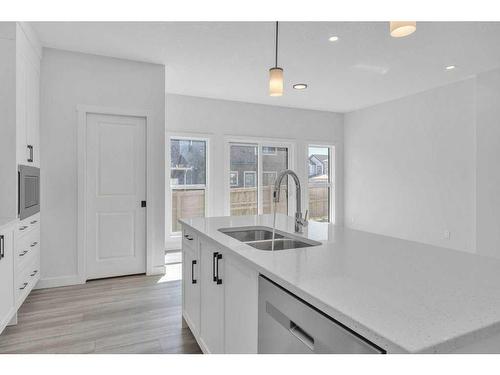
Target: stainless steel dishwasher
(287, 324)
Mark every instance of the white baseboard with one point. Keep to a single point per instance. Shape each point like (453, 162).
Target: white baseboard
(173, 243)
(54, 282)
(156, 270)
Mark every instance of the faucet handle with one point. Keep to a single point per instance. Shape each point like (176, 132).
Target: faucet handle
(304, 220)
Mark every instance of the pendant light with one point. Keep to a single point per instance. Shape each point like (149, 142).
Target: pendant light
(400, 29)
(276, 73)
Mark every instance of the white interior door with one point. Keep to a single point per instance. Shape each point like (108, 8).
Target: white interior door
(116, 185)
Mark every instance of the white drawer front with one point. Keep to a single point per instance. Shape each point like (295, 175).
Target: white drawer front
(26, 279)
(27, 225)
(26, 249)
(189, 238)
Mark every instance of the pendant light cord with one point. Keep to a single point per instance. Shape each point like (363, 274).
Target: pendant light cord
(276, 52)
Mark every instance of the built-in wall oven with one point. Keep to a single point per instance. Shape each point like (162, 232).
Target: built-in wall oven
(29, 191)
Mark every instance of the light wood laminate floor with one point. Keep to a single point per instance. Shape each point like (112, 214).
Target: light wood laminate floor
(133, 314)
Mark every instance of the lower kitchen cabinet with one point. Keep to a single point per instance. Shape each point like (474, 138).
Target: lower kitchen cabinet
(220, 300)
(212, 297)
(7, 308)
(241, 308)
(191, 287)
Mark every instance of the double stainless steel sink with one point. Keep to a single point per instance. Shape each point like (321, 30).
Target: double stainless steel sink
(261, 238)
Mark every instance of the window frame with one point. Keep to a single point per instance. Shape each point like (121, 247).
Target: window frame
(332, 177)
(259, 142)
(169, 233)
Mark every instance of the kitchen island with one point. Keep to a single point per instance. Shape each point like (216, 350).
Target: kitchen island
(397, 295)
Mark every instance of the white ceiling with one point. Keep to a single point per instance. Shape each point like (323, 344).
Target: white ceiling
(231, 60)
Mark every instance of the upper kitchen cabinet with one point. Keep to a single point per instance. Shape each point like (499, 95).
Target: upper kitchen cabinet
(28, 55)
(19, 108)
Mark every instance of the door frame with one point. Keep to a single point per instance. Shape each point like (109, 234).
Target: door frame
(82, 112)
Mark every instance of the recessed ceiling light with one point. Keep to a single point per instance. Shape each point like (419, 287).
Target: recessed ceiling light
(300, 86)
(333, 38)
(450, 67)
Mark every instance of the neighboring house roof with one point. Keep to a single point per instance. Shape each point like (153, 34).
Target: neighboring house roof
(321, 158)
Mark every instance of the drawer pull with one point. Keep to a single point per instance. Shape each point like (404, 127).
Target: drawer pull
(34, 273)
(23, 227)
(193, 280)
(2, 246)
(187, 237)
(24, 286)
(218, 279)
(23, 253)
(34, 222)
(214, 278)
(30, 158)
(34, 244)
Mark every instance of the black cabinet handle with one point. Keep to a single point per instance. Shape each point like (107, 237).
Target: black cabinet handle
(219, 280)
(30, 148)
(33, 222)
(2, 246)
(23, 253)
(24, 286)
(213, 266)
(34, 244)
(187, 237)
(34, 273)
(193, 280)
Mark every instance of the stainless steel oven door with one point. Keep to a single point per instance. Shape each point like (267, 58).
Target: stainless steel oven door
(29, 191)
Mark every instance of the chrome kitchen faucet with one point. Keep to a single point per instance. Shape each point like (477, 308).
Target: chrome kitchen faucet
(300, 222)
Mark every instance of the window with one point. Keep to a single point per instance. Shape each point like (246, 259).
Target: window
(319, 183)
(272, 164)
(268, 178)
(250, 179)
(233, 178)
(243, 160)
(188, 179)
(258, 165)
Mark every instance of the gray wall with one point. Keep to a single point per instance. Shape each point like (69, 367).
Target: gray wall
(67, 80)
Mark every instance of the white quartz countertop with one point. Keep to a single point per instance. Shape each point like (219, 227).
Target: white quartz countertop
(404, 296)
(4, 221)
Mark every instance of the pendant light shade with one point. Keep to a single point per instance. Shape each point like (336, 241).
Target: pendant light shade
(400, 29)
(275, 82)
(276, 73)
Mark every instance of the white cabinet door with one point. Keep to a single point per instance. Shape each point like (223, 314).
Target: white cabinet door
(6, 277)
(21, 82)
(191, 287)
(32, 112)
(27, 101)
(241, 306)
(212, 297)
